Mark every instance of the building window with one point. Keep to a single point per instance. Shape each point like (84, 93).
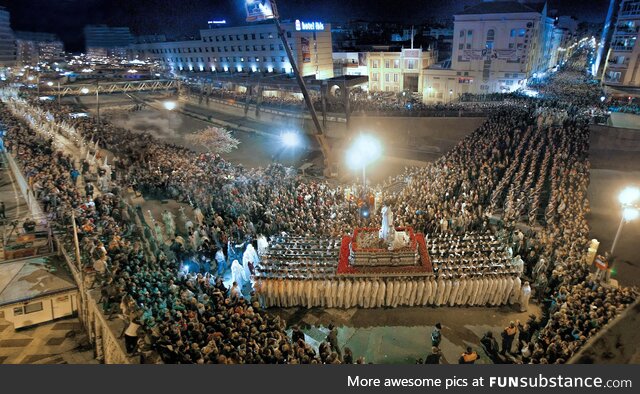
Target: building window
(396, 63)
(374, 77)
(387, 63)
(246, 37)
(272, 47)
(230, 37)
(411, 64)
(33, 307)
(395, 77)
(18, 311)
(262, 36)
(461, 33)
(288, 34)
(386, 77)
(375, 64)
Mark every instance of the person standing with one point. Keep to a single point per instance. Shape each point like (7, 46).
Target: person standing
(525, 294)
(2, 210)
(332, 338)
(436, 336)
(297, 334)
(508, 335)
(434, 357)
(468, 357)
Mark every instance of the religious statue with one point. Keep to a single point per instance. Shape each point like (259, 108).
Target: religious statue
(386, 228)
(169, 224)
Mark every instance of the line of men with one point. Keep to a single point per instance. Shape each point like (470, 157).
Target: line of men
(344, 292)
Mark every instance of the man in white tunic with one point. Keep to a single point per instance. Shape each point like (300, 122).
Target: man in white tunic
(454, 291)
(434, 291)
(348, 286)
(366, 294)
(515, 292)
(341, 295)
(507, 291)
(361, 292)
(382, 290)
(525, 294)
(441, 289)
(354, 292)
(402, 289)
(238, 274)
(518, 265)
(308, 292)
(373, 297)
(461, 290)
(419, 292)
(388, 298)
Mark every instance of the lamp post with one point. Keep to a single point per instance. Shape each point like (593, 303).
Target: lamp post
(629, 199)
(365, 150)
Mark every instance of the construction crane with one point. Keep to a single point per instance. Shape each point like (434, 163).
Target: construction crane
(329, 162)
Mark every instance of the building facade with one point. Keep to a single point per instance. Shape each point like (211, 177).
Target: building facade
(250, 48)
(399, 70)
(7, 40)
(35, 47)
(497, 47)
(622, 63)
(106, 41)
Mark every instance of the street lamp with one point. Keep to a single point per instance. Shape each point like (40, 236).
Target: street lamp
(630, 201)
(84, 90)
(365, 150)
(290, 139)
(169, 105)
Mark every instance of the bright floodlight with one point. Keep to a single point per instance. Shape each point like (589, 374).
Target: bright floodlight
(169, 105)
(629, 195)
(602, 98)
(84, 90)
(290, 139)
(365, 150)
(49, 83)
(630, 214)
(30, 78)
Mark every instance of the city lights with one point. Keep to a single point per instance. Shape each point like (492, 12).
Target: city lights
(365, 150)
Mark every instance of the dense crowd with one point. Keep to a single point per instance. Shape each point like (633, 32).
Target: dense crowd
(522, 175)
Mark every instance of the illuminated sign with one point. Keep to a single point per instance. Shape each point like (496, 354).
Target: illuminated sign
(259, 10)
(309, 26)
(221, 22)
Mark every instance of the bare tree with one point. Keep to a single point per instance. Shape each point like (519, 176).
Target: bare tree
(215, 139)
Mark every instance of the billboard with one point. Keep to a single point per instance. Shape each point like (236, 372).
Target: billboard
(259, 10)
(306, 52)
(363, 58)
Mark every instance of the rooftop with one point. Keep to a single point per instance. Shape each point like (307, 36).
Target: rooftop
(502, 7)
(26, 279)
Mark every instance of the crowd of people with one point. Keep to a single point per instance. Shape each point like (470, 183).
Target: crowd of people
(525, 164)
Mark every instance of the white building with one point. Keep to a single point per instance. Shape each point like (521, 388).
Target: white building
(250, 48)
(7, 40)
(497, 47)
(36, 290)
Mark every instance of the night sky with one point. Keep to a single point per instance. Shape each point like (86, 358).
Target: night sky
(182, 17)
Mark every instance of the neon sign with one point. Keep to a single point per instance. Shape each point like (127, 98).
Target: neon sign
(309, 26)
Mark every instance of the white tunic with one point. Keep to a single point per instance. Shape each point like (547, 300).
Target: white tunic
(525, 294)
(507, 291)
(461, 291)
(454, 291)
(441, 289)
(340, 296)
(419, 293)
(448, 284)
(388, 298)
(382, 289)
(348, 287)
(515, 292)
(373, 297)
(354, 293)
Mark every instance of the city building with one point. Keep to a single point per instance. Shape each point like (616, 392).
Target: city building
(397, 71)
(35, 47)
(622, 63)
(7, 40)
(249, 48)
(497, 47)
(106, 41)
(438, 32)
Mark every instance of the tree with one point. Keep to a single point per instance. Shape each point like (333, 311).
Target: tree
(215, 139)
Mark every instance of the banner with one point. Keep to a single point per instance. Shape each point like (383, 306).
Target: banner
(306, 52)
(363, 58)
(259, 10)
(508, 54)
(475, 54)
